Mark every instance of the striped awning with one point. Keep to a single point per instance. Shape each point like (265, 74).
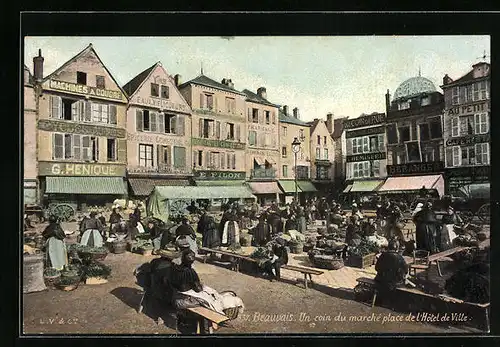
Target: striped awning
(144, 186)
(289, 186)
(265, 188)
(347, 189)
(408, 184)
(208, 183)
(259, 160)
(306, 186)
(85, 185)
(366, 186)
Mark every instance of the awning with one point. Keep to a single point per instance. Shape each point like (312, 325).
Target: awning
(408, 184)
(366, 186)
(259, 160)
(208, 183)
(144, 186)
(306, 186)
(347, 189)
(213, 192)
(476, 191)
(85, 185)
(289, 186)
(265, 188)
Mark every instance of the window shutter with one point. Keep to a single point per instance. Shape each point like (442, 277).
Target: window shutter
(214, 98)
(382, 170)
(211, 128)
(77, 147)
(463, 125)
(366, 145)
(200, 132)
(161, 123)
(238, 132)
(273, 116)
(57, 146)
(159, 155)
(195, 158)
(85, 147)
(56, 106)
(349, 146)
(122, 150)
(456, 156)
(179, 157)
(74, 111)
(486, 153)
(153, 121)
(201, 100)
(68, 146)
(234, 160)
(139, 120)
(181, 125)
(217, 130)
(381, 144)
(249, 113)
(477, 123)
(112, 114)
(96, 148)
(222, 161)
(367, 169)
(87, 111)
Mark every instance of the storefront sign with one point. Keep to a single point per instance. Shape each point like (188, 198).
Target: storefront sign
(417, 168)
(468, 140)
(77, 169)
(86, 90)
(163, 170)
(364, 121)
(365, 132)
(162, 139)
(77, 128)
(263, 128)
(459, 177)
(161, 104)
(217, 143)
(468, 109)
(220, 175)
(270, 152)
(365, 157)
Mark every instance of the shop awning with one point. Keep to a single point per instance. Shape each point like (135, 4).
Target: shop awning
(366, 186)
(289, 186)
(409, 184)
(85, 185)
(265, 188)
(259, 160)
(306, 186)
(207, 183)
(144, 186)
(213, 192)
(347, 189)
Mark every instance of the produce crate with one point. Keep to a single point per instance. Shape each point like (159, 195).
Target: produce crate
(361, 262)
(95, 280)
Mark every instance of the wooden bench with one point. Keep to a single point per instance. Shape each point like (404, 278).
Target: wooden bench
(215, 318)
(305, 271)
(236, 258)
(438, 256)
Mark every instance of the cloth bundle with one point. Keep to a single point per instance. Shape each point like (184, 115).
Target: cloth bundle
(212, 299)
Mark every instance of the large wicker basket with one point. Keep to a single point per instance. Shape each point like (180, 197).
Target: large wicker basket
(361, 262)
(328, 262)
(296, 248)
(93, 256)
(51, 280)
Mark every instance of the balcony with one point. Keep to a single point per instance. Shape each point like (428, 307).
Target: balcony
(263, 173)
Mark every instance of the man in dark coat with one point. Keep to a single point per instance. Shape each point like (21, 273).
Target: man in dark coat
(279, 257)
(202, 227)
(274, 219)
(353, 232)
(185, 229)
(426, 229)
(261, 234)
(391, 268)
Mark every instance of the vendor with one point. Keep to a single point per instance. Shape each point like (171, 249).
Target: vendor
(449, 221)
(209, 231)
(132, 230)
(155, 234)
(262, 233)
(353, 232)
(391, 268)
(278, 256)
(114, 220)
(92, 231)
(426, 232)
(231, 231)
(55, 247)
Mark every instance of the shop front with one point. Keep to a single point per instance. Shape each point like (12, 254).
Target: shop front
(288, 188)
(458, 178)
(216, 179)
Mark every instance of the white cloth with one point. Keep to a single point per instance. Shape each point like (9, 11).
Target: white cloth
(417, 209)
(98, 242)
(225, 235)
(57, 253)
(140, 228)
(449, 228)
(215, 301)
(378, 240)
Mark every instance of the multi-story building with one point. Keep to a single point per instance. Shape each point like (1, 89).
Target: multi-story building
(218, 131)
(158, 132)
(322, 154)
(30, 174)
(338, 136)
(292, 127)
(414, 139)
(82, 150)
(262, 151)
(467, 128)
(365, 154)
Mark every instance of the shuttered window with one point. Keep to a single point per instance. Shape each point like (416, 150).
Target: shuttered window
(77, 147)
(86, 148)
(392, 134)
(456, 156)
(164, 156)
(381, 143)
(57, 146)
(179, 157)
(455, 126)
(112, 114)
(483, 154)
(217, 130)
(481, 123)
(56, 107)
(122, 150)
(349, 146)
(252, 138)
(153, 121)
(139, 125)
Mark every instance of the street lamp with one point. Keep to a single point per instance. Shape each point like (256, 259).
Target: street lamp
(296, 150)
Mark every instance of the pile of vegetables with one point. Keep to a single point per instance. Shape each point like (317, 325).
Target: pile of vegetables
(143, 244)
(364, 248)
(51, 272)
(260, 253)
(97, 269)
(234, 248)
(86, 249)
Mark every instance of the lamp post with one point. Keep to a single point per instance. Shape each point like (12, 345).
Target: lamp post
(295, 150)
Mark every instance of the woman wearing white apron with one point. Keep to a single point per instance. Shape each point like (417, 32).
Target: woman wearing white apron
(448, 233)
(231, 233)
(92, 236)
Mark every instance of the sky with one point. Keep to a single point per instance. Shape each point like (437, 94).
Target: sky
(344, 75)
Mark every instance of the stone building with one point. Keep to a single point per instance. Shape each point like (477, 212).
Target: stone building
(292, 127)
(262, 151)
(158, 132)
(30, 173)
(414, 139)
(338, 136)
(322, 154)
(365, 154)
(82, 151)
(467, 128)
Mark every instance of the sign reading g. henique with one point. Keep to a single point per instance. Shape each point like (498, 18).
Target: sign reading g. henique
(86, 90)
(79, 169)
(364, 121)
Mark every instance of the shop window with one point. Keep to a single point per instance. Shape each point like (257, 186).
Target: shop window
(81, 78)
(404, 134)
(424, 132)
(468, 155)
(111, 150)
(146, 155)
(100, 82)
(456, 156)
(268, 117)
(285, 171)
(283, 152)
(255, 115)
(436, 129)
(165, 92)
(392, 134)
(155, 90)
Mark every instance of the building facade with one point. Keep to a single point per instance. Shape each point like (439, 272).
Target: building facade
(30, 174)
(338, 136)
(262, 151)
(415, 156)
(158, 132)
(365, 153)
(322, 155)
(292, 127)
(82, 151)
(467, 128)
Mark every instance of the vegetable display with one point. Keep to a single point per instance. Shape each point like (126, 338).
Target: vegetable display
(51, 272)
(260, 253)
(97, 269)
(364, 248)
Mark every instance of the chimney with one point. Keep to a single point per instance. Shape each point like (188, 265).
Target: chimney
(296, 112)
(387, 101)
(38, 67)
(329, 122)
(228, 82)
(177, 79)
(26, 75)
(262, 93)
(285, 110)
(447, 79)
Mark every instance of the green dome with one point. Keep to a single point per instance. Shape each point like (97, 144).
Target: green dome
(414, 86)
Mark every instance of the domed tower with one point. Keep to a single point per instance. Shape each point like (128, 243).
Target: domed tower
(413, 87)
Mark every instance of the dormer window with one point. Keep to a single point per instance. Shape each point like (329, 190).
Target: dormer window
(426, 100)
(404, 105)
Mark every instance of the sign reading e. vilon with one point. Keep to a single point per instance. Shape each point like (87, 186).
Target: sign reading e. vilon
(220, 175)
(77, 169)
(85, 90)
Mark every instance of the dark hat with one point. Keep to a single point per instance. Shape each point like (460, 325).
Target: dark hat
(53, 219)
(93, 214)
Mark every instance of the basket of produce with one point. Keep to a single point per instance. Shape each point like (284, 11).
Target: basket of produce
(72, 272)
(89, 253)
(50, 276)
(296, 247)
(363, 255)
(144, 247)
(308, 246)
(96, 273)
(329, 262)
(66, 284)
(119, 246)
(245, 240)
(312, 253)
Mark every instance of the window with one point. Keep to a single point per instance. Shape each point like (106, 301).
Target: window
(208, 128)
(468, 155)
(214, 160)
(357, 145)
(69, 109)
(230, 105)
(325, 153)
(100, 82)
(94, 145)
(456, 155)
(403, 105)
(392, 134)
(483, 89)
(273, 117)
(164, 156)
(283, 131)
(455, 128)
(413, 151)
(111, 149)
(455, 100)
(169, 121)
(302, 172)
(324, 140)
(230, 135)
(361, 169)
(81, 78)
(255, 115)
(475, 92)
(425, 101)
(285, 170)
(301, 135)
(179, 157)
(404, 134)
(319, 140)
(375, 168)
(210, 101)
(436, 130)
(100, 113)
(231, 160)
(468, 93)
(381, 144)
(283, 152)
(252, 138)
(146, 155)
(424, 132)
(461, 94)
(466, 124)
(268, 117)
(318, 153)
(366, 144)
(155, 90)
(429, 155)
(481, 122)
(165, 93)
(200, 158)
(482, 154)
(321, 173)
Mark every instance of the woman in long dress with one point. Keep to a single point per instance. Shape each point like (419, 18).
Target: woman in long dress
(426, 229)
(92, 235)
(55, 247)
(261, 234)
(231, 234)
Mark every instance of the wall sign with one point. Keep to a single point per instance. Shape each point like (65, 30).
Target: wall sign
(161, 104)
(459, 177)
(163, 139)
(220, 175)
(86, 90)
(217, 143)
(79, 169)
(265, 128)
(78, 128)
(364, 121)
(271, 152)
(365, 157)
(165, 170)
(365, 132)
(468, 140)
(468, 109)
(417, 168)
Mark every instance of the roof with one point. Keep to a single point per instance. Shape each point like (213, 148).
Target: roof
(256, 98)
(208, 82)
(338, 130)
(89, 48)
(314, 124)
(468, 77)
(291, 120)
(134, 84)
(414, 86)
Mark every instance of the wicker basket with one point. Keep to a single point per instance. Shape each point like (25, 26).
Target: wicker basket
(296, 248)
(232, 313)
(361, 262)
(66, 287)
(328, 262)
(93, 256)
(51, 280)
